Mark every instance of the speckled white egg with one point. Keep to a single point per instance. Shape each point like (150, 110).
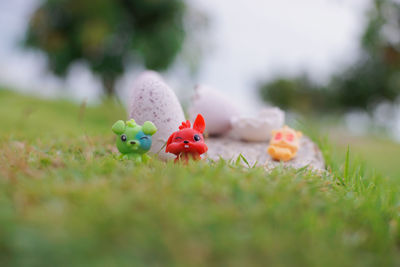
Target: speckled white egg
(215, 107)
(153, 100)
(258, 128)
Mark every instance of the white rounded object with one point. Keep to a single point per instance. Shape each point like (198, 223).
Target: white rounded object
(258, 129)
(216, 109)
(153, 100)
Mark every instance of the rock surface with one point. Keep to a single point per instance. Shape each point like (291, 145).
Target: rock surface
(153, 100)
(256, 153)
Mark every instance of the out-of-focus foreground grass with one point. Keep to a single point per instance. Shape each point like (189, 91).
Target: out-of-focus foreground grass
(66, 201)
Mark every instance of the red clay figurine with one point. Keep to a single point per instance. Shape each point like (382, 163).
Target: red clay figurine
(188, 143)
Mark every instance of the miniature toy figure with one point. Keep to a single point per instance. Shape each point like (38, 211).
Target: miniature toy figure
(188, 143)
(284, 144)
(134, 140)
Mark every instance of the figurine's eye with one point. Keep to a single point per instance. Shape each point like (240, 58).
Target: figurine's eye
(144, 137)
(278, 136)
(196, 137)
(290, 137)
(178, 138)
(123, 138)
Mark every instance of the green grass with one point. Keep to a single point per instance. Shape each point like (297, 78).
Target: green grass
(382, 154)
(66, 201)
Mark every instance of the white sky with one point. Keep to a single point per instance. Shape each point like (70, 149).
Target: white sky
(262, 38)
(248, 39)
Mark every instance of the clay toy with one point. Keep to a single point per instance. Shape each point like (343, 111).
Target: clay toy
(134, 140)
(188, 143)
(284, 144)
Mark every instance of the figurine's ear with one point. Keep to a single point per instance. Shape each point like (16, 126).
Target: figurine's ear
(169, 142)
(299, 134)
(199, 124)
(149, 128)
(118, 127)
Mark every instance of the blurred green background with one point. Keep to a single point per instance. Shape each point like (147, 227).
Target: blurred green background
(106, 33)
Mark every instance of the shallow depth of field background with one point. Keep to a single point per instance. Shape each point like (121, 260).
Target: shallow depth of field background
(66, 68)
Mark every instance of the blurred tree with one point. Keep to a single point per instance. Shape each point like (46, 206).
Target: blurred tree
(297, 93)
(374, 77)
(105, 33)
(376, 74)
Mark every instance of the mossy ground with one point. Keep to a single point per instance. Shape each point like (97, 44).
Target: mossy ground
(66, 201)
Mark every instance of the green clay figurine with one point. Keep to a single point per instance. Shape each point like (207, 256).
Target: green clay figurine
(134, 140)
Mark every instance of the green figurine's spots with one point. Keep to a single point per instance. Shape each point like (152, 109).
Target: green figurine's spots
(134, 140)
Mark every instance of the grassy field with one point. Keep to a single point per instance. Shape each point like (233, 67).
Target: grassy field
(66, 201)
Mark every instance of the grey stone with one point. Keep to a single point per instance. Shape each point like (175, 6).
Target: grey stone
(256, 153)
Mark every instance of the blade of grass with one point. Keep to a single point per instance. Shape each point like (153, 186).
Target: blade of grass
(346, 164)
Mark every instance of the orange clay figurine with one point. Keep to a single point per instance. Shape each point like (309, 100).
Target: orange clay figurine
(284, 143)
(188, 143)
